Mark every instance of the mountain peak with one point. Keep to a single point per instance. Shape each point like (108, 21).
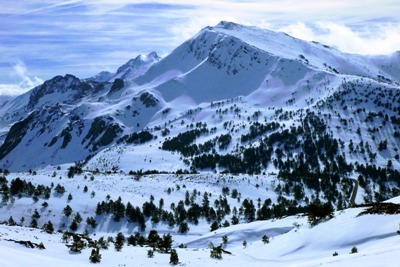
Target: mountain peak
(227, 25)
(137, 66)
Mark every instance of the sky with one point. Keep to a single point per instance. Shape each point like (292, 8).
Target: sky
(40, 39)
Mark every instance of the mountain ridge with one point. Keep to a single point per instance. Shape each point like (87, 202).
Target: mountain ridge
(227, 61)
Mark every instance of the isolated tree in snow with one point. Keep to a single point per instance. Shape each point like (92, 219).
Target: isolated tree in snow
(95, 256)
(216, 252)
(67, 211)
(174, 259)
(265, 239)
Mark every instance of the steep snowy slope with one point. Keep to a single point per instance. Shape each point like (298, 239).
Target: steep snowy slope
(67, 119)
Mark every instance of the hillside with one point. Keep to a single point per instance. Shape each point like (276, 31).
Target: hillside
(292, 241)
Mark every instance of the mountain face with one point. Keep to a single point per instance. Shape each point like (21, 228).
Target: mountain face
(233, 99)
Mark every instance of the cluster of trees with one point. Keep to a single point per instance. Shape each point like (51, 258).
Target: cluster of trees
(190, 210)
(257, 129)
(317, 211)
(19, 187)
(77, 242)
(77, 169)
(182, 141)
(137, 138)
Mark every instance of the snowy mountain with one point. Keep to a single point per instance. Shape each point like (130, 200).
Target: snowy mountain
(228, 61)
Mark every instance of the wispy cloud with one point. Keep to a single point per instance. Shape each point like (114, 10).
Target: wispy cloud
(26, 81)
(379, 39)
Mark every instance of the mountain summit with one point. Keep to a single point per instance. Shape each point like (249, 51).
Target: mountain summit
(261, 77)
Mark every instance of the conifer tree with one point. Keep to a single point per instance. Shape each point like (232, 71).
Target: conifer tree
(67, 211)
(48, 227)
(11, 221)
(102, 243)
(119, 241)
(77, 244)
(165, 243)
(265, 239)
(153, 238)
(174, 259)
(95, 256)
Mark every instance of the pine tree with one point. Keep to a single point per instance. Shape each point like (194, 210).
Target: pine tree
(150, 253)
(174, 259)
(102, 243)
(65, 237)
(265, 239)
(77, 244)
(67, 211)
(34, 223)
(36, 215)
(73, 226)
(91, 222)
(165, 243)
(78, 218)
(216, 252)
(48, 227)
(214, 226)
(11, 221)
(119, 241)
(95, 256)
(153, 238)
(183, 228)
(131, 240)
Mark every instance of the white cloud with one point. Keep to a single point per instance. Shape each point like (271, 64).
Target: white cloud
(26, 81)
(378, 39)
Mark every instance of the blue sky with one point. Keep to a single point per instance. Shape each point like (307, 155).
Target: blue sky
(41, 39)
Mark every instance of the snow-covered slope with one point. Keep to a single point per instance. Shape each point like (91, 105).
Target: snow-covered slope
(292, 241)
